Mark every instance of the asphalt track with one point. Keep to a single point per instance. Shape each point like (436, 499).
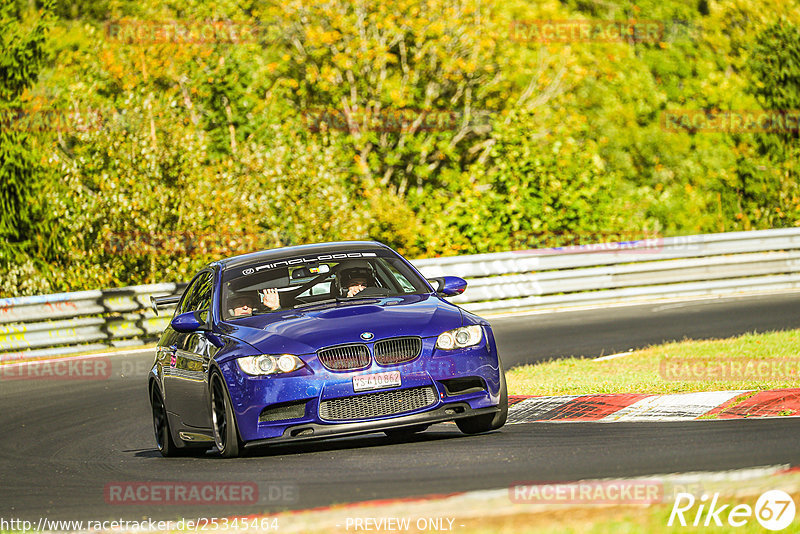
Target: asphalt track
(63, 442)
(532, 338)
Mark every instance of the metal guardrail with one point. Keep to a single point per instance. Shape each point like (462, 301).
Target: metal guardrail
(84, 320)
(699, 265)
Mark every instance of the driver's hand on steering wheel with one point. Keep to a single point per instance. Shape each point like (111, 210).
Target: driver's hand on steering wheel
(356, 286)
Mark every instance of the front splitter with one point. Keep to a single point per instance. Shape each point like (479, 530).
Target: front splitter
(314, 431)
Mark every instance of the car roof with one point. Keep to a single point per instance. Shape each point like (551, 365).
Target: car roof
(335, 247)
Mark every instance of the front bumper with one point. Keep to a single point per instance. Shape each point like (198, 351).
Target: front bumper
(314, 384)
(312, 431)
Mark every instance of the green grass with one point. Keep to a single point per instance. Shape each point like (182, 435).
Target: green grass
(662, 368)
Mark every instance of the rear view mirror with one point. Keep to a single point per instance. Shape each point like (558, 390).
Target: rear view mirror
(309, 271)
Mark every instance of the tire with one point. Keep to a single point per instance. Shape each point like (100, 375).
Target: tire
(486, 423)
(166, 446)
(226, 436)
(404, 433)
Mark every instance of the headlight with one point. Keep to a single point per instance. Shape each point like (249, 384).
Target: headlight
(466, 336)
(269, 364)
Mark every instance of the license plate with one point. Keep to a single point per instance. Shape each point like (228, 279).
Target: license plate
(376, 381)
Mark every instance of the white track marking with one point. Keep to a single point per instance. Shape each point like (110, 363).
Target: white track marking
(532, 409)
(678, 407)
(612, 356)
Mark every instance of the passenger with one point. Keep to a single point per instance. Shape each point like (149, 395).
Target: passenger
(355, 277)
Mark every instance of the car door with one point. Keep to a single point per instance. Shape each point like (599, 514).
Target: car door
(187, 382)
(168, 354)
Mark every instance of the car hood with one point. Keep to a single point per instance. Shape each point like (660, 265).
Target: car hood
(303, 331)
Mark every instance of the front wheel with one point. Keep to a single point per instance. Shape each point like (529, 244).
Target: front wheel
(485, 423)
(226, 437)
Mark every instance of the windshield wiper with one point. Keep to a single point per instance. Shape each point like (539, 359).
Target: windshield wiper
(318, 303)
(264, 312)
(336, 300)
(351, 299)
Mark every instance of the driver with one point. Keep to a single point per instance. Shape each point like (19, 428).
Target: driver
(241, 305)
(356, 276)
(245, 305)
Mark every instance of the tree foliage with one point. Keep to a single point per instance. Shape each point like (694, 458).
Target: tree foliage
(22, 52)
(194, 130)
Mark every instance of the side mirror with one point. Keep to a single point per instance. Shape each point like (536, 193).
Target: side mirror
(188, 322)
(449, 286)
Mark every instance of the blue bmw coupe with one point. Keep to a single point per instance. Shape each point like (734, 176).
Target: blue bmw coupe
(319, 341)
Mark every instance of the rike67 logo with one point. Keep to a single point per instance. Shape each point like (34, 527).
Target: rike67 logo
(774, 510)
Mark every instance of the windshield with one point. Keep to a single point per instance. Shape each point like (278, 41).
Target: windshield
(266, 287)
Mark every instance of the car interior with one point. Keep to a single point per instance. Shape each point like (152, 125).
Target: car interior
(311, 284)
